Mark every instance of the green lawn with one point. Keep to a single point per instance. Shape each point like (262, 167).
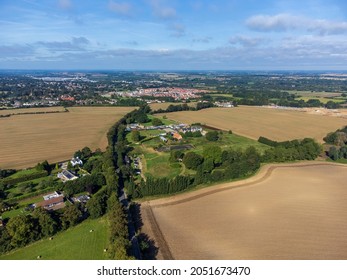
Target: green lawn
(158, 165)
(227, 141)
(23, 173)
(21, 206)
(76, 243)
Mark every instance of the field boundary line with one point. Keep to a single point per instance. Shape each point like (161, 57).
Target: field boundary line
(158, 235)
(263, 174)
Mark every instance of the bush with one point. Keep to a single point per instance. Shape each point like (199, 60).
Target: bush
(192, 160)
(212, 136)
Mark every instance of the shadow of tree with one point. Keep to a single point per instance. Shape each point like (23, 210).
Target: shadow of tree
(148, 248)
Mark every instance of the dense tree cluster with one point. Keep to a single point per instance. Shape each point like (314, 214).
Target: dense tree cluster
(339, 141)
(338, 138)
(90, 183)
(212, 136)
(6, 172)
(336, 153)
(158, 186)
(184, 107)
(119, 247)
(306, 149)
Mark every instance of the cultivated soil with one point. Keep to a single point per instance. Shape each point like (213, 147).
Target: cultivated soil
(29, 139)
(296, 211)
(276, 124)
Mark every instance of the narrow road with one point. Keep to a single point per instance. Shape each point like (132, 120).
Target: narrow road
(131, 228)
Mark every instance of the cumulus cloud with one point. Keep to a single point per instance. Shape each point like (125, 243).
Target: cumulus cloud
(206, 39)
(245, 41)
(286, 22)
(162, 10)
(122, 8)
(10, 51)
(65, 4)
(76, 44)
(291, 52)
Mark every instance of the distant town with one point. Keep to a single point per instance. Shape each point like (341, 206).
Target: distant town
(48, 88)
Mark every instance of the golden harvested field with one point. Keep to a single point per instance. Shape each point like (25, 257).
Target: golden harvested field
(285, 212)
(252, 122)
(157, 106)
(32, 110)
(28, 139)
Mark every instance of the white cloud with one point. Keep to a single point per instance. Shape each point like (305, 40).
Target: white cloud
(286, 22)
(245, 41)
(76, 44)
(206, 39)
(65, 4)
(121, 8)
(162, 10)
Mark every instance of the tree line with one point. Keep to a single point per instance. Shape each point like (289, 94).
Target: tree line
(184, 107)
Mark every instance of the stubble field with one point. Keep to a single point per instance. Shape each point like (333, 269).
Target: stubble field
(285, 212)
(252, 122)
(29, 139)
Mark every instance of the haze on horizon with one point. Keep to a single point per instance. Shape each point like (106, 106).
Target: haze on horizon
(173, 35)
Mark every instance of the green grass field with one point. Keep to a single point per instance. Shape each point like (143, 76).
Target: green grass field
(76, 243)
(227, 141)
(158, 165)
(23, 172)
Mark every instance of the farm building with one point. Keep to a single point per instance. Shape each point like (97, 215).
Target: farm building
(177, 136)
(66, 175)
(162, 138)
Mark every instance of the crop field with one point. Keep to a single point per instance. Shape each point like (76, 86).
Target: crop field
(252, 122)
(284, 212)
(29, 139)
(157, 106)
(32, 110)
(77, 243)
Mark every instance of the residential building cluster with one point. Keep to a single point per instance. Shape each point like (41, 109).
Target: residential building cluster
(175, 92)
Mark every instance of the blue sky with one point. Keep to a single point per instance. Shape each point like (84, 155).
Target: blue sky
(173, 34)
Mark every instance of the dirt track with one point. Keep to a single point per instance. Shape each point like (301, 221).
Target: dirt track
(284, 212)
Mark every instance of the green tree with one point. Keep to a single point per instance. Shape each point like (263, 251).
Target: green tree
(97, 205)
(22, 230)
(86, 153)
(214, 153)
(157, 122)
(176, 155)
(5, 240)
(212, 136)
(208, 165)
(47, 225)
(333, 153)
(135, 136)
(71, 216)
(192, 160)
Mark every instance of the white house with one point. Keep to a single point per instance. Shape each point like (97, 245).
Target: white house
(76, 161)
